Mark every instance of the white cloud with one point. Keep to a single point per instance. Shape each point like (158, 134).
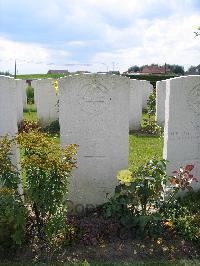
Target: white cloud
(171, 40)
(30, 57)
(125, 32)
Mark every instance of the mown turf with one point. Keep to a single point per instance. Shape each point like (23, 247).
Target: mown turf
(40, 76)
(30, 113)
(143, 148)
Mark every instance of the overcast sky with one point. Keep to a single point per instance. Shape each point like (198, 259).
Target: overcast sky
(97, 35)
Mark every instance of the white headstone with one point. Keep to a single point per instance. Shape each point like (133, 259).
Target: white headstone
(19, 83)
(24, 95)
(182, 124)
(94, 113)
(46, 101)
(8, 114)
(147, 88)
(135, 106)
(160, 102)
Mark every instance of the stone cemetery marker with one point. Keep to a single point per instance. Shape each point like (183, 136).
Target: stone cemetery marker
(19, 85)
(182, 124)
(135, 106)
(94, 113)
(46, 101)
(8, 114)
(24, 95)
(160, 102)
(147, 88)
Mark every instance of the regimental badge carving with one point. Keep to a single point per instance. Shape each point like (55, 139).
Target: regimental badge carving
(193, 99)
(94, 98)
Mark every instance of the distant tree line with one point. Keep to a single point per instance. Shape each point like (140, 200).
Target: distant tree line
(197, 33)
(5, 73)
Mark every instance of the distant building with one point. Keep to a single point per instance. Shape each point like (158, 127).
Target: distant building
(154, 69)
(114, 72)
(58, 72)
(82, 72)
(102, 72)
(194, 70)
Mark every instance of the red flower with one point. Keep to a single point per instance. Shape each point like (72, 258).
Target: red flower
(189, 167)
(175, 172)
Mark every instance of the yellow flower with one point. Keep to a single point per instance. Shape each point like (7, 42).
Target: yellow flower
(169, 224)
(6, 191)
(125, 177)
(55, 86)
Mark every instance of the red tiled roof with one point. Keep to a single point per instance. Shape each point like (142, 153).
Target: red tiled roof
(154, 69)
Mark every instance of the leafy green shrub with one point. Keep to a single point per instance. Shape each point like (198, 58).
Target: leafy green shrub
(184, 214)
(12, 211)
(138, 195)
(151, 103)
(13, 217)
(30, 95)
(47, 168)
(149, 124)
(139, 200)
(53, 128)
(9, 175)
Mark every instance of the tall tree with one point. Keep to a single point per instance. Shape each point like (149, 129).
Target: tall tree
(176, 69)
(134, 68)
(197, 33)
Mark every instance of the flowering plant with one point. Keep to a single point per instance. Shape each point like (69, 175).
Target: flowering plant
(55, 86)
(125, 177)
(183, 178)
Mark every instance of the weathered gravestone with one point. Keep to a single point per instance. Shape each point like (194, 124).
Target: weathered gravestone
(24, 95)
(182, 124)
(19, 84)
(160, 102)
(135, 106)
(94, 113)
(147, 88)
(8, 114)
(46, 101)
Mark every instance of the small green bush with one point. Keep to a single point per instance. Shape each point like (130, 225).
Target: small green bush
(138, 195)
(140, 199)
(53, 128)
(184, 214)
(149, 125)
(30, 95)
(47, 168)
(12, 211)
(13, 217)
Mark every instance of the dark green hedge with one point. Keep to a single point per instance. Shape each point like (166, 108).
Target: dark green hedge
(152, 78)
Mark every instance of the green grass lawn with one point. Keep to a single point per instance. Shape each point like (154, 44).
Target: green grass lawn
(40, 76)
(30, 113)
(143, 148)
